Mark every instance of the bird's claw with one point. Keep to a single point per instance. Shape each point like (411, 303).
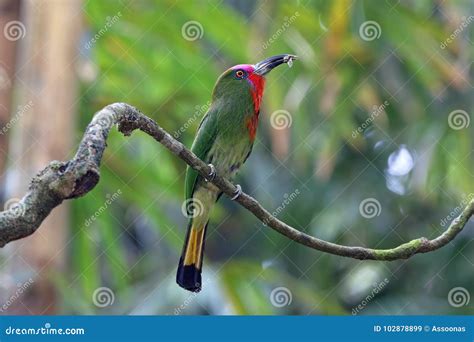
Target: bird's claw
(237, 192)
(212, 174)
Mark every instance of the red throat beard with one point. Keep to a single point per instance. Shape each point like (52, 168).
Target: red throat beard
(258, 84)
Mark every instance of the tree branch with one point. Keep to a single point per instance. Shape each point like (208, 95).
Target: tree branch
(74, 178)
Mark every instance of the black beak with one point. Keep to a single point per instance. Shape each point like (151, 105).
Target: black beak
(265, 66)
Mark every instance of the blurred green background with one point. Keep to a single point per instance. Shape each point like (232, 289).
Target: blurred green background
(366, 115)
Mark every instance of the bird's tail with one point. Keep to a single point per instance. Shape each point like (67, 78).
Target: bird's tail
(190, 263)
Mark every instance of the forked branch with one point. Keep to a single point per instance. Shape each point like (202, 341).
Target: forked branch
(74, 178)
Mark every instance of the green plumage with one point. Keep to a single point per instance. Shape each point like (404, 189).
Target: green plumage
(224, 139)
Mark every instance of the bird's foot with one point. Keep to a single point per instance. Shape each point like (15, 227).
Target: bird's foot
(237, 192)
(212, 174)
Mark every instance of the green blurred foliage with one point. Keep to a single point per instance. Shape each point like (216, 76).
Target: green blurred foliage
(144, 59)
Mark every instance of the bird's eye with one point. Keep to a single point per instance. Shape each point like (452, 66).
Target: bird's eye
(239, 74)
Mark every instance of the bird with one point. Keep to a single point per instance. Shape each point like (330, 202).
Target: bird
(224, 140)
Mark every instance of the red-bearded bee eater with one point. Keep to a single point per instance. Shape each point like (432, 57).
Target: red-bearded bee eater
(224, 140)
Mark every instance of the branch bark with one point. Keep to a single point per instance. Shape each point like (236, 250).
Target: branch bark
(74, 178)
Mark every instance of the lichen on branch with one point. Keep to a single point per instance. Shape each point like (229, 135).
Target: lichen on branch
(67, 180)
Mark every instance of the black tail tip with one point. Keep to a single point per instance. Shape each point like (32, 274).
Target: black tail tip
(189, 277)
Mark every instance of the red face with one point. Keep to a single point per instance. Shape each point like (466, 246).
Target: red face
(246, 73)
(254, 76)
(256, 82)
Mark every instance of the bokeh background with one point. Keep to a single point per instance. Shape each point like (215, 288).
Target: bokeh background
(367, 140)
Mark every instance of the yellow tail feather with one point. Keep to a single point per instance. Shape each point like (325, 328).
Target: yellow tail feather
(190, 263)
(194, 247)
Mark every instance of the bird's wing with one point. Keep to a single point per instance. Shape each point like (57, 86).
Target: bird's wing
(203, 142)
